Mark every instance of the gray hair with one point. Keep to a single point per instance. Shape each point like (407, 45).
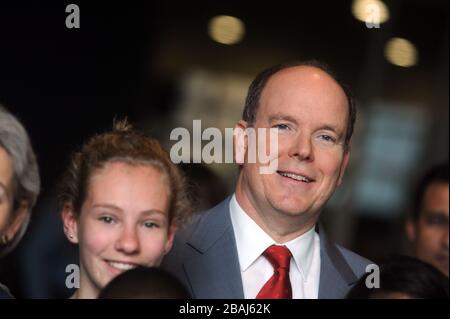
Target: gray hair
(15, 141)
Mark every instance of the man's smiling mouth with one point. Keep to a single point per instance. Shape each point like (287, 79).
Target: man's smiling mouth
(297, 177)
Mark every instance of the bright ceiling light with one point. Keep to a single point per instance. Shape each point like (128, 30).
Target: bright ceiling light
(226, 29)
(401, 52)
(370, 11)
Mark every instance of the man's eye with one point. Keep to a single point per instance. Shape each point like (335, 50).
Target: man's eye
(327, 138)
(281, 126)
(437, 220)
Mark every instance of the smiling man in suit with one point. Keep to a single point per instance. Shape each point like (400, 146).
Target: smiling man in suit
(265, 240)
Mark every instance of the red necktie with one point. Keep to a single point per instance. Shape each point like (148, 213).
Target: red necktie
(279, 285)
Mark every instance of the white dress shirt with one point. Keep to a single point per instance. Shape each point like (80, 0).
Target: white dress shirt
(256, 270)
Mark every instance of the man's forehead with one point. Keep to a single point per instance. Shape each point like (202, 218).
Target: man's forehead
(301, 84)
(437, 188)
(309, 74)
(436, 196)
(307, 80)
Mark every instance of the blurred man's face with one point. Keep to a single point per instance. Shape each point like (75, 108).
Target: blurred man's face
(430, 232)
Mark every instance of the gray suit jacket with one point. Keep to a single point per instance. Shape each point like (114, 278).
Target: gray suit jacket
(204, 257)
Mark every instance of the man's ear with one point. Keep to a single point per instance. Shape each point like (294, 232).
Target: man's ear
(344, 165)
(410, 227)
(240, 142)
(18, 218)
(70, 223)
(171, 236)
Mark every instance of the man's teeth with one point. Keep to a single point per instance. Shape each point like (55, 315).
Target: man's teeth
(121, 266)
(296, 177)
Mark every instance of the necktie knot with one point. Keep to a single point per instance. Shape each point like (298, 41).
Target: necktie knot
(278, 256)
(279, 285)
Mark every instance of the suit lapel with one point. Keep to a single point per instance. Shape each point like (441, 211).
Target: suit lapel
(336, 276)
(213, 265)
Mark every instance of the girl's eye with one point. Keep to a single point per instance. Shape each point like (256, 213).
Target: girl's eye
(151, 225)
(107, 219)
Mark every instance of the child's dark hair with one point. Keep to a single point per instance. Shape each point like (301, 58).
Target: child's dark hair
(405, 275)
(144, 283)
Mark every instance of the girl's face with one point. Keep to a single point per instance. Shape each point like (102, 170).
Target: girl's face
(123, 223)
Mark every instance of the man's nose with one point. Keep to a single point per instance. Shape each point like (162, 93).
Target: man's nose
(302, 148)
(128, 241)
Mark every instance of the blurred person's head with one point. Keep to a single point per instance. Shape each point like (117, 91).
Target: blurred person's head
(19, 181)
(314, 116)
(403, 277)
(427, 227)
(207, 189)
(144, 283)
(122, 201)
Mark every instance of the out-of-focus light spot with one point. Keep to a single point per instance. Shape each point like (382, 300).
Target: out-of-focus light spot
(226, 29)
(401, 52)
(370, 11)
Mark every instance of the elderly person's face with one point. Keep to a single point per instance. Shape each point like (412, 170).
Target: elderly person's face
(10, 221)
(6, 179)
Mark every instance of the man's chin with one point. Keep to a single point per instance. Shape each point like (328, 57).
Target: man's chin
(444, 270)
(293, 210)
(289, 209)
(443, 266)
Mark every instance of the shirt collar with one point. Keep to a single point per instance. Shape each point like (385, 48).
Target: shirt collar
(252, 241)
